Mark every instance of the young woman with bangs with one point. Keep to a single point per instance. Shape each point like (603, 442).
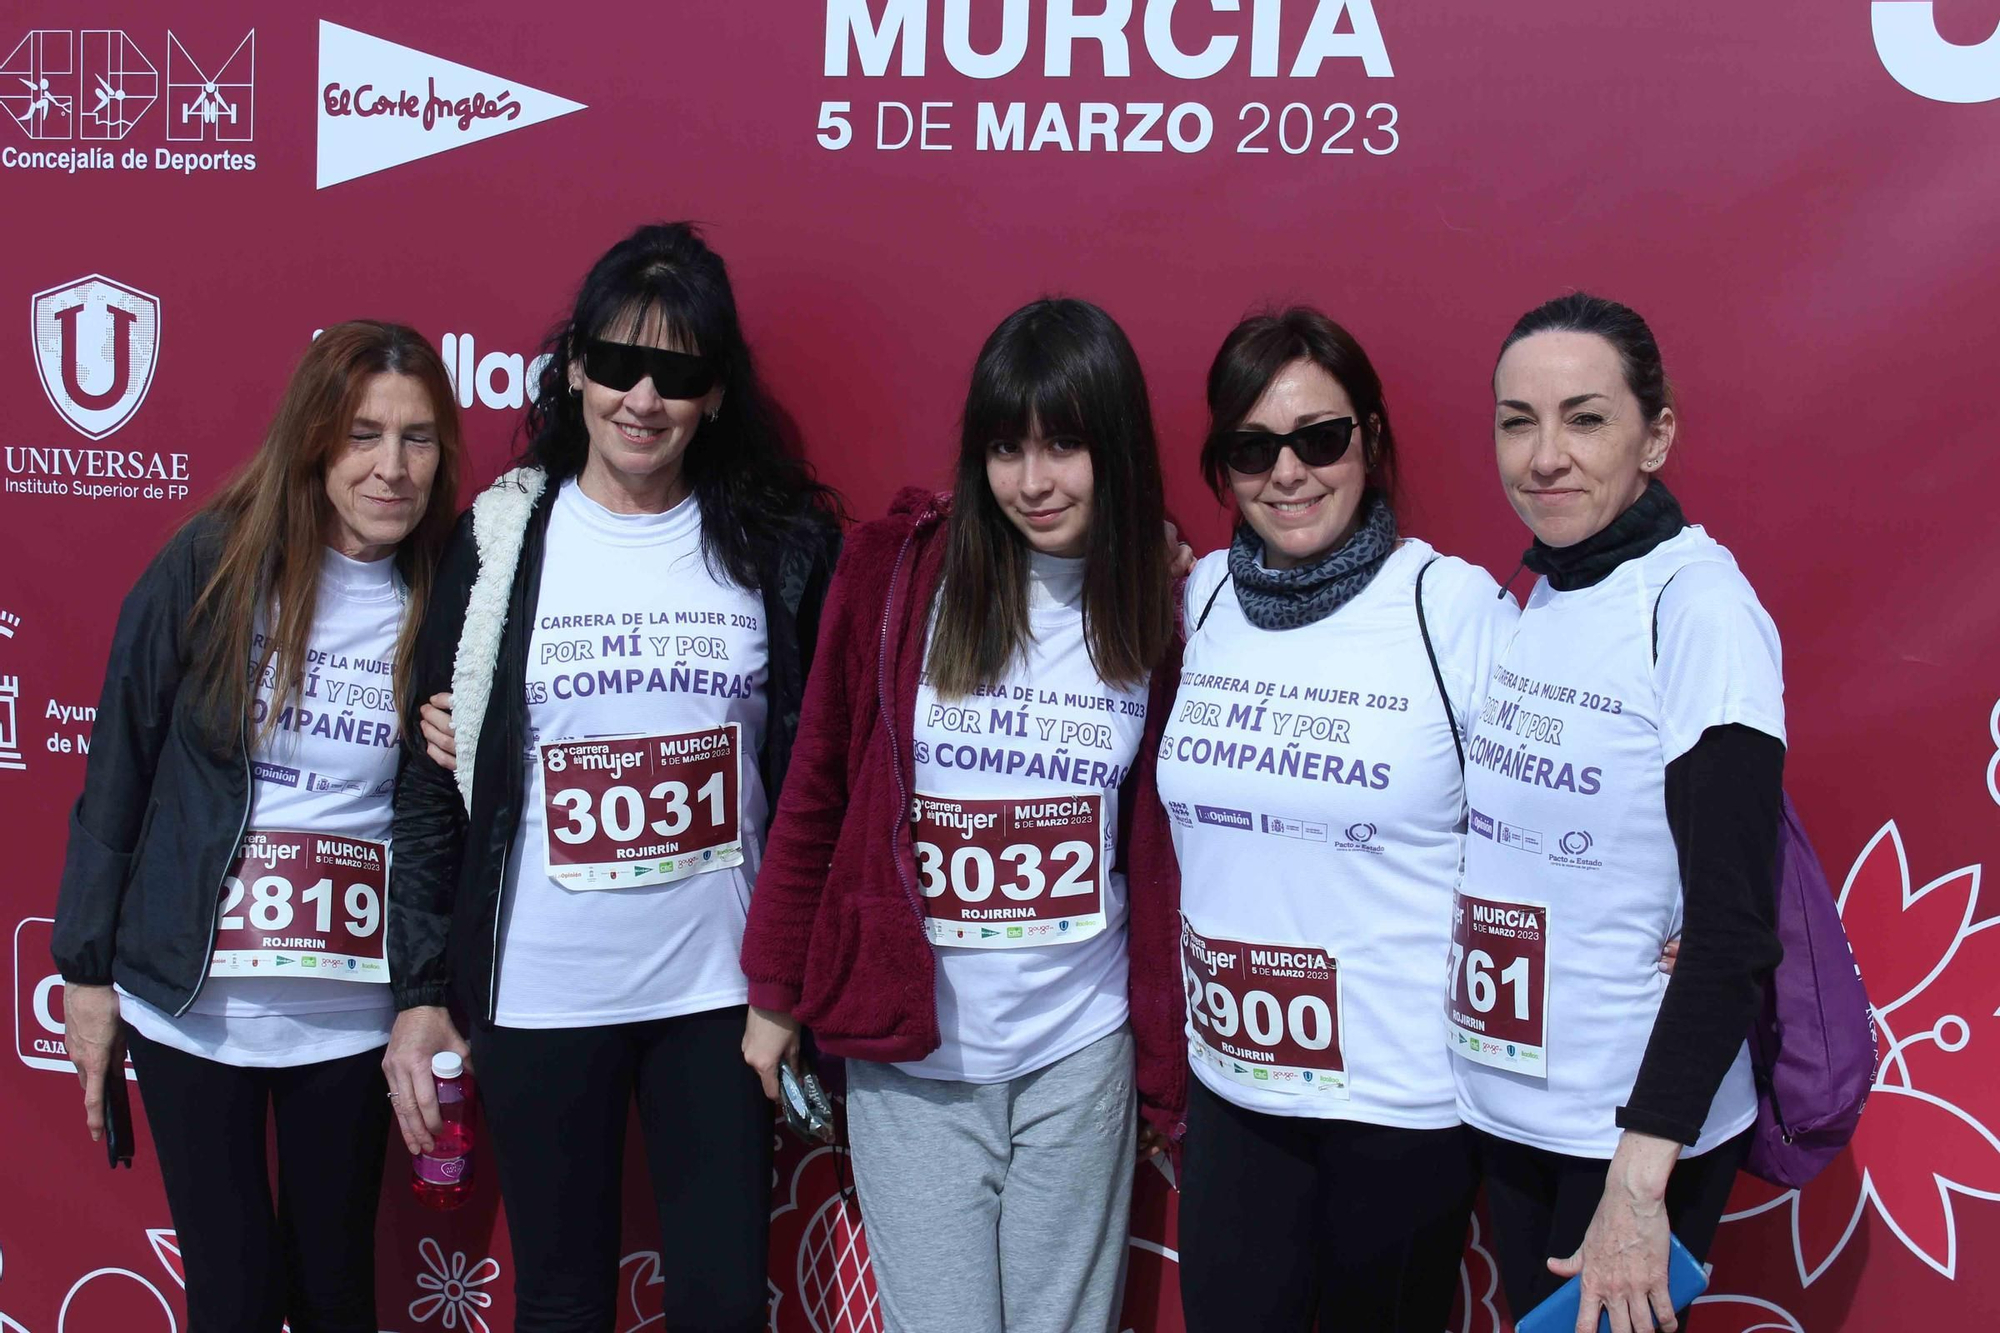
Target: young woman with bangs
(949, 898)
(243, 765)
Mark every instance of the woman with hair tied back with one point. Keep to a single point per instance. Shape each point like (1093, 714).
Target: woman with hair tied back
(624, 622)
(1624, 788)
(1313, 791)
(224, 887)
(950, 898)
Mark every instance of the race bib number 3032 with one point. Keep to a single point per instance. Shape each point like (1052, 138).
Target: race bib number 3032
(1496, 1000)
(1001, 873)
(1264, 1015)
(302, 904)
(628, 811)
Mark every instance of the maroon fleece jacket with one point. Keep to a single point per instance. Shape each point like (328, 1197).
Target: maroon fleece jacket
(836, 929)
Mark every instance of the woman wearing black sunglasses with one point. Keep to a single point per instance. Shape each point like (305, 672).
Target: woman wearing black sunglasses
(1312, 783)
(625, 622)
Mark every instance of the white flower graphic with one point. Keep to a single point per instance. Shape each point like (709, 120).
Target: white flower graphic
(453, 1288)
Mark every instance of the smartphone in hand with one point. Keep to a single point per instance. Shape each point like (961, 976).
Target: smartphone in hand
(1685, 1280)
(117, 1117)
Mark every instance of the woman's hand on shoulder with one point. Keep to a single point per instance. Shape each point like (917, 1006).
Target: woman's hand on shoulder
(439, 742)
(1180, 556)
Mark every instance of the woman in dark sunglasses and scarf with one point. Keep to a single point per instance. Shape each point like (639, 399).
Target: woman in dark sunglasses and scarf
(1312, 783)
(625, 622)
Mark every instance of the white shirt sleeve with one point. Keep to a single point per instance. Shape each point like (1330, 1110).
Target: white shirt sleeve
(1719, 660)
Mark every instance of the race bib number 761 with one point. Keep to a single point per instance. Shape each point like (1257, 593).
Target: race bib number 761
(1496, 1001)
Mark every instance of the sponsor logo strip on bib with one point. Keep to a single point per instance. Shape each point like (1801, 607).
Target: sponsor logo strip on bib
(303, 904)
(628, 811)
(1264, 1015)
(1496, 1005)
(1001, 873)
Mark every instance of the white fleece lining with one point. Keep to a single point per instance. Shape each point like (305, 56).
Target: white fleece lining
(499, 522)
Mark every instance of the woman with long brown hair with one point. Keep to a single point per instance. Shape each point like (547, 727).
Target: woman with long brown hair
(948, 898)
(223, 907)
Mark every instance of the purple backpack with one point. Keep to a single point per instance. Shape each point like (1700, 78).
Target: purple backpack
(1813, 1048)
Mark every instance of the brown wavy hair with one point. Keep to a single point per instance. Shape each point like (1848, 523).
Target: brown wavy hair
(1063, 367)
(274, 516)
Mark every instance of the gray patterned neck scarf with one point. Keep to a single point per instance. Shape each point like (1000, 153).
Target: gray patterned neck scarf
(1289, 598)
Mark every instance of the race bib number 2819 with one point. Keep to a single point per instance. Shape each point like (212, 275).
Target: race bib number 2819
(302, 904)
(628, 811)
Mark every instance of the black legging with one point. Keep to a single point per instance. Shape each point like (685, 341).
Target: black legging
(251, 1266)
(557, 1101)
(1286, 1220)
(1541, 1203)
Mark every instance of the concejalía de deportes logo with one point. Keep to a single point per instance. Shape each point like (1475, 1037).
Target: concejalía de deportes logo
(103, 99)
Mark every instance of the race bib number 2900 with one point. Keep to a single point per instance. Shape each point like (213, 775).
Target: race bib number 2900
(1496, 1002)
(1264, 1015)
(300, 904)
(1000, 873)
(629, 811)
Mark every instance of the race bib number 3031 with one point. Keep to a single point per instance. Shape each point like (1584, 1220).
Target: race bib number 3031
(1264, 1015)
(1496, 1000)
(1001, 873)
(302, 904)
(629, 811)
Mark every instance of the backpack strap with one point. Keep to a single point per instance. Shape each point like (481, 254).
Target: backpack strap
(1209, 606)
(1661, 596)
(1423, 626)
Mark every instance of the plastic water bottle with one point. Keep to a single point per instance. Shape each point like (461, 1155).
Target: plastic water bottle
(442, 1177)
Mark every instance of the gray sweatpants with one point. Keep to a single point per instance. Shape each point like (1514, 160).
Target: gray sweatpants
(998, 1206)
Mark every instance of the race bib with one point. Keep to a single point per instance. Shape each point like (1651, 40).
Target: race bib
(638, 810)
(1497, 1002)
(1264, 1015)
(302, 904)
(999, 873)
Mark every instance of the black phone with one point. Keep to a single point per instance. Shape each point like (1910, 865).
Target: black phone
(117, 1117)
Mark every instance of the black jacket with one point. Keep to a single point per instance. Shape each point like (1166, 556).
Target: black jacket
(162, 810)
(449, 870)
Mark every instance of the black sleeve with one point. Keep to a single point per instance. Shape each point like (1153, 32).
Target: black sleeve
(430, 819)
(134, 711)
(1723, 799)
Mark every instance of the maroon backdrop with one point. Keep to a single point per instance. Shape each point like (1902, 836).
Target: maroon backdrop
(1800, 195)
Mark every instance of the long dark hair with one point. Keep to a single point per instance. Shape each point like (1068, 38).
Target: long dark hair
(1066, 368)
(1621, 326)
(274, 514)
(1251, 357)
(753, 490)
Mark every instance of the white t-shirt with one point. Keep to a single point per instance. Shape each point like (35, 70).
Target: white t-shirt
(634, 635)
(1317, 810)
(1572, 884)
(329, 767)
(1051, 729)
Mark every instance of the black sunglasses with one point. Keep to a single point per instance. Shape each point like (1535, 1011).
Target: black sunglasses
(1255, 452)
(621, 365)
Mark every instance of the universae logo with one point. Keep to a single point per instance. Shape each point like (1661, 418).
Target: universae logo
(96, 344)
(1918, 57)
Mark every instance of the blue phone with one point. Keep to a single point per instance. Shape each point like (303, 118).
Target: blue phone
(1557, 1314)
